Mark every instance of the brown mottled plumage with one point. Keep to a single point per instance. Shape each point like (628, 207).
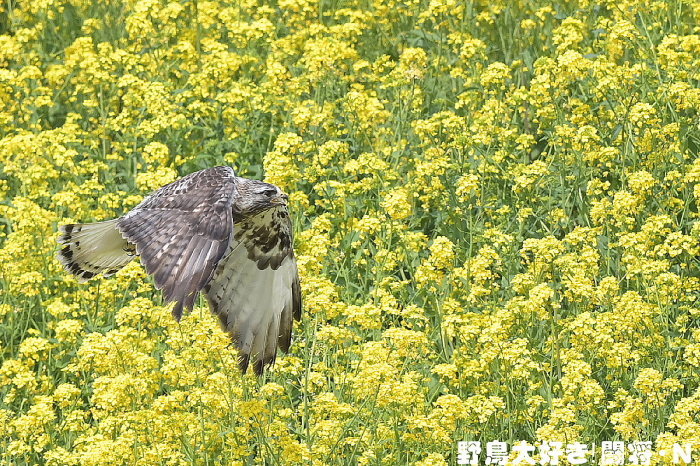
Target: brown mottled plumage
(210, 230)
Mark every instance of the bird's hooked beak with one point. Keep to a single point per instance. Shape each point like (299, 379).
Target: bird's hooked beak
(280, 199)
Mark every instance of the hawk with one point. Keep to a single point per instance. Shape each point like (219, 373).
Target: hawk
(214, 231)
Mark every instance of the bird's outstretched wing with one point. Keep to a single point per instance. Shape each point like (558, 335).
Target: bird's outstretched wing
(255, 289)
(182, 231)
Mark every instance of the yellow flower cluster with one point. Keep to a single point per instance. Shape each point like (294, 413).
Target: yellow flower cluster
(495, 209)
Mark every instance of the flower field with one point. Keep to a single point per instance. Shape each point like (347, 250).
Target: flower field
(496, 221)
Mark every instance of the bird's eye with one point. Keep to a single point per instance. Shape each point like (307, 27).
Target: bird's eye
(270, 192)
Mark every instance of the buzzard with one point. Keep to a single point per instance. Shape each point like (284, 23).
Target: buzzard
(214, 231)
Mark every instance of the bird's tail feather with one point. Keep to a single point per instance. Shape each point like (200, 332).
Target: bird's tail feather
(92, 248)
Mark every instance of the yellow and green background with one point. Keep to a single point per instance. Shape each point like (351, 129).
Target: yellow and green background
(496, 215)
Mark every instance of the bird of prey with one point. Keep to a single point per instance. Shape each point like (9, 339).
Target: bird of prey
(214, 231)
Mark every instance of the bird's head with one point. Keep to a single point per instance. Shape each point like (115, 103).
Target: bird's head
(257, 196)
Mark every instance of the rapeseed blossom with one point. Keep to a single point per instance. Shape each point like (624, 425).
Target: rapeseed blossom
(496, 221)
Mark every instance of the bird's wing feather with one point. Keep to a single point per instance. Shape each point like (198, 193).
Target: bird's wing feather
(182, 231)
(255, 289)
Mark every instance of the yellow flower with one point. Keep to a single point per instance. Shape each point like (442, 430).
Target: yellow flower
(467, 186)
(150, 181)
(397, 204)
(495, 76)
